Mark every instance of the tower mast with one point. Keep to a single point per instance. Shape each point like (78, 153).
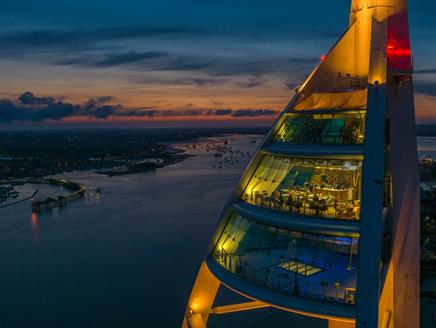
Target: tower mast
(336, 182)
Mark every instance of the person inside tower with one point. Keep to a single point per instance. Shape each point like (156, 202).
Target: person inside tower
(290, 202)
(307, 186)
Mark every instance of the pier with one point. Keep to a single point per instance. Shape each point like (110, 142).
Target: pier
(77, 190)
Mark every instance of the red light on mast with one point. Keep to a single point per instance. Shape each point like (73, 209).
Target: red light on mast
(398, 44)
(401, 52)
(323, 58)
(392, 51)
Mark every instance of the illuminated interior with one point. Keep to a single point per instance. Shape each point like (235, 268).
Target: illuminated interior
(326, 129)
(317, 187)
(308, 265)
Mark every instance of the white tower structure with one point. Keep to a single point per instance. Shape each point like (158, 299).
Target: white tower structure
(324, 222)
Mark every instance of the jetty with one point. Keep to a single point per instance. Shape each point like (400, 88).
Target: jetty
(77, 190)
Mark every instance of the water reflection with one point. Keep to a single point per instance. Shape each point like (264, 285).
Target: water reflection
(93, 197)
(34, 224)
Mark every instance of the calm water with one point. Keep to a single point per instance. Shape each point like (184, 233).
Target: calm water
(127, 258)
(427, 146)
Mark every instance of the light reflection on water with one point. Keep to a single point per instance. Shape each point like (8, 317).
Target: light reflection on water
(34, 224)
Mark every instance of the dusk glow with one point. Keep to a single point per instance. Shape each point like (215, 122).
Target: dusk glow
(218, 163)
(186, 59)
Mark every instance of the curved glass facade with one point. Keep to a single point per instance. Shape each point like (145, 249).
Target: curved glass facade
(317, 187)
(291, 262)
(324, 129)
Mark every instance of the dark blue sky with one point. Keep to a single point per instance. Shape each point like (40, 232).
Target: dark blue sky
(181, 56)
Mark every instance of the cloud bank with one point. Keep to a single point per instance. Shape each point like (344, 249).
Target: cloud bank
(30, 108)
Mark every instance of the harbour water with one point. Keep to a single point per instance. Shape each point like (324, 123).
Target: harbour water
(126, 257)
(427, 146)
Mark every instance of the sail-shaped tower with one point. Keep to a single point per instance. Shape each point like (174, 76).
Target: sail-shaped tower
(324, 221)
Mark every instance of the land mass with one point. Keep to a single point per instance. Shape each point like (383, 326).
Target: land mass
(33, 154)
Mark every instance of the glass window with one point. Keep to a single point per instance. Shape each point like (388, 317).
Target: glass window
(310, 265)
(318, 187)
(333, 129)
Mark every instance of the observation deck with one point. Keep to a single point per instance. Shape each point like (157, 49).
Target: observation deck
(292, 236)
(328, 197)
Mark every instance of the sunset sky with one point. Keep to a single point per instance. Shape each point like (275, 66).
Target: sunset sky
(176, 60)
